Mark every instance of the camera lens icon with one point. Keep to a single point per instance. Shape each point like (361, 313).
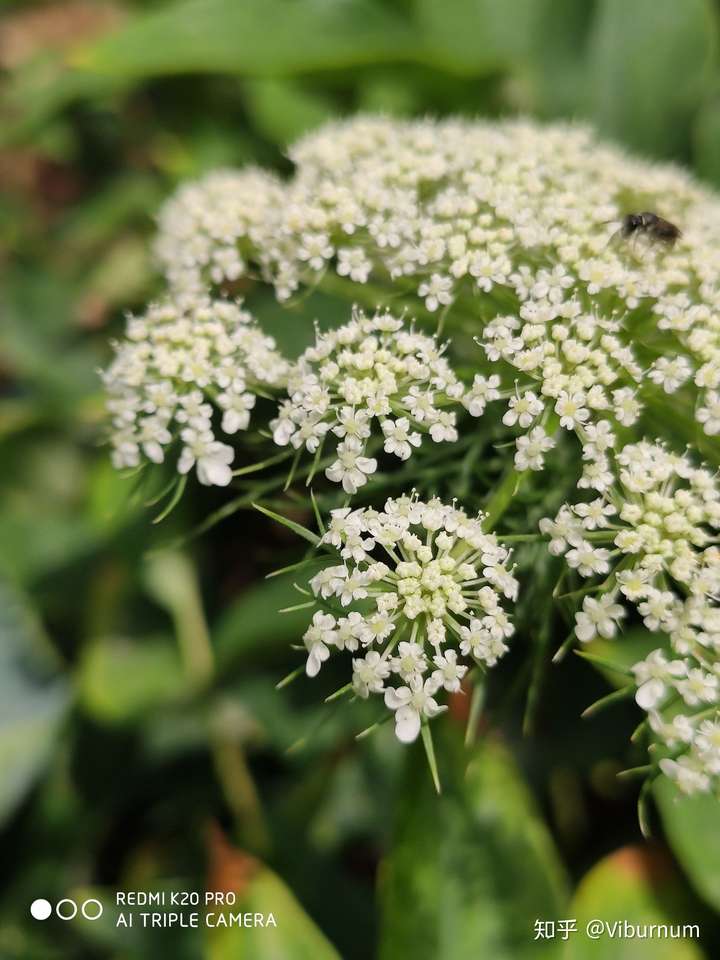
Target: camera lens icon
(66, 909)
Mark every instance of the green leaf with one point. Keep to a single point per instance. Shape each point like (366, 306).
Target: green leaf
(33, 699)
(691, 828)
(37, 339)
(256, 37)
(500, 498)
(297, 528)
(614, 658)
(427, 742)
(173, 500)
(171, 581)
(122, 680)
(470, 870)
(706, 142)
(609, 665)
(251, 624)
(557, 78)
(389, 93)
(637, 885)
(41, 89)
(476, 36)
(292, 325)
(294, 937)
(649, 63)
(283, 110)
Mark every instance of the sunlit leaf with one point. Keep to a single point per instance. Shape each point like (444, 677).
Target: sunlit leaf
(121, 680)
(637, 885)
(476, 36)
(256, 37)
(292, 935)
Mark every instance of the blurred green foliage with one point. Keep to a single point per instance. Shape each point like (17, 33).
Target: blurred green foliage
(137, 705)
(494, 871)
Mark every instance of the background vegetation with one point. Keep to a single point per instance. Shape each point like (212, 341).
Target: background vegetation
(142, 743)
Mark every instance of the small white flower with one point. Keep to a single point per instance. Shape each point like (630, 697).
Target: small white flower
(587, 559)
(653, 676)
(237, 405)
(626, 406)
(351, 468)
(634, 583)
(410, 704)
(353, 263)
(678, 730)
(319, 636)
(213, 458)
(598, 618)
(444, 427)
(687, 773)
(436, 291)
(571, 409)
(369, 674)
(595, 514)
(449, 672)
(482, 642)
(698, 687)
(483, 391)
(670, 374)
(532, 448)
(399, 438)
(410, 660)
(328, 581)
(523, 409)
(709, 414)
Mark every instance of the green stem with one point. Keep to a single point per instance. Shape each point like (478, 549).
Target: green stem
(622, 694)
(430, 754)
(240, 792)
(476, 703)
(254, 467)
(293, 675)
(501, 497)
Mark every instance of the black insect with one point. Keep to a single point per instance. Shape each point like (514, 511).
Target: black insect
(656, 229)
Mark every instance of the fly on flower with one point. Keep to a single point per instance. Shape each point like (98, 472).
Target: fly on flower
(656, 229)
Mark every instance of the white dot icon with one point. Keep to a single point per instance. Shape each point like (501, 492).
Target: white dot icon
(40, 909)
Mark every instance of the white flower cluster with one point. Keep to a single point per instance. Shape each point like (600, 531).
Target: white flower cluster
(518, 213)
(173, 369)
(427, 583)
(372, 368)
(510, 231)
(653, 538)
(208, 229)
(575, 370)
